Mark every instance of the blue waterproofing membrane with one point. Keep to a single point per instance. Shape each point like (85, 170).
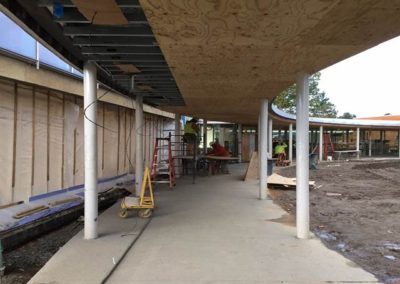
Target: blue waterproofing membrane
(7, 221)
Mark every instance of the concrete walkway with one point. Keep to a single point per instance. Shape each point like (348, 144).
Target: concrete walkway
(217, 231)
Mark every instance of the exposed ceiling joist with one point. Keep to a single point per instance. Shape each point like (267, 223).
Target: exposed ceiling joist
(87, 50)
(72, 15)
(128, 57)
(68, 3)
(112, 31)
(113, 41)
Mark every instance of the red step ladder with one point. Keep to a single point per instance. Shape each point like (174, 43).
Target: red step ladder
(329, 148)
(162, 165)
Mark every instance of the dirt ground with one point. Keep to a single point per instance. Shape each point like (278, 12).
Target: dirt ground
(23, 262)
(355, 210)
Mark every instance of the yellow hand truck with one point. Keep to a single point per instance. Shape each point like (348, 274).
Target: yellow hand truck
(144, 204)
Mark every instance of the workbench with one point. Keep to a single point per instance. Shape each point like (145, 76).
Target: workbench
(214, 160)
(339, 153)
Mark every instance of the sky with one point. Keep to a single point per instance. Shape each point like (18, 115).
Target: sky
(352, 83)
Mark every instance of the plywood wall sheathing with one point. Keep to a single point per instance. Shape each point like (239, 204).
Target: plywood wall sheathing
(6, 141)
(42, 140)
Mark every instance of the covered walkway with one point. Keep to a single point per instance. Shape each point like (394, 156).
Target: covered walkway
(218, 231)
(212, 232)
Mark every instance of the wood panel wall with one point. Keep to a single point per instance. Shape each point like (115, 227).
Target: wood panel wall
(42, 146)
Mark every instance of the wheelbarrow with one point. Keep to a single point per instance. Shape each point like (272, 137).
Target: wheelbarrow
(143, 204)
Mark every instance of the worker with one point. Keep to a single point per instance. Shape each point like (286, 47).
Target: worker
(191, 133)
(218, 165)
(280, 152)
(218, 150)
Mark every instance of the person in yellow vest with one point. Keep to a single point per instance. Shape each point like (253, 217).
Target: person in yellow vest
(192, 131)
(280, 152)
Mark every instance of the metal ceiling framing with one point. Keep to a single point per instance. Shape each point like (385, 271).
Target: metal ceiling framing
(78, 40)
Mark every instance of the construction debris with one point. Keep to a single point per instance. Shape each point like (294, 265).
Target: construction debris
(279, 182)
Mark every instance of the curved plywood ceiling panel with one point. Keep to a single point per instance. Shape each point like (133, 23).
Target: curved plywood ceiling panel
(226, 55)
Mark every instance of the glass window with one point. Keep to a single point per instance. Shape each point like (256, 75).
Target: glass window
(76, 72)
(15, 39)
(49, 58)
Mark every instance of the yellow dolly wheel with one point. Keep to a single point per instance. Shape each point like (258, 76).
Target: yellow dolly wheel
(145, 213)
(123, 213)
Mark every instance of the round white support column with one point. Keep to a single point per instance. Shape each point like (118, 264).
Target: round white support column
(263, 148)
(90, 135)
(205, 136)
(370, 144)
(239, 141)
(398, 137)
(259, 144)
(291, 143)
(139, 144)
(302, 157)
(358, 143)
(177, 144)
(321, 142)
(270, 148)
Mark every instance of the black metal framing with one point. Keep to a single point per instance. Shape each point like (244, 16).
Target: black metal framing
(78, 40)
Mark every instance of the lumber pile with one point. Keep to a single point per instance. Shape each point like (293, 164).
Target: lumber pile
(276, 181)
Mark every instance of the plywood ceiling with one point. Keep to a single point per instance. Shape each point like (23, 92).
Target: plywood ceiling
(228, 54)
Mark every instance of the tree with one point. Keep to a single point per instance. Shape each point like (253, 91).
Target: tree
(347, 115)
(320, 106)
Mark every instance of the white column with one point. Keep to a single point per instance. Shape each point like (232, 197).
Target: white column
(291, 143)
(370, 144)
(270, 150)
(321, 142)
(259, 144)
(139, 144)
(263, 148)
(398, 147)
(90, 135)
(302, 160)
(205, 136)
(239, 141)
(357, 143)
(177, 139)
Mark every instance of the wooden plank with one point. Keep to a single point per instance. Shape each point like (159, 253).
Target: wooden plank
(40, 150)
(252, 169)
(24, 151)
(7, 104)
(101, 12)
(278, 180)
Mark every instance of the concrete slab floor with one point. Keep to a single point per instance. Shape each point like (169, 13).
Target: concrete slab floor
(84, 261)
(217, 231)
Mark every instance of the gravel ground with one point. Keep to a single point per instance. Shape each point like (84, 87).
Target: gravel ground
(23, 262)
(355, 210)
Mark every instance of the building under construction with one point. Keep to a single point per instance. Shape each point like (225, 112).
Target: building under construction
(87, 87)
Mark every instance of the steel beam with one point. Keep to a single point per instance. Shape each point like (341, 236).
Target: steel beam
(72, 15)
(112, 31)
(68, 3)
(114, 41)
(149, 50)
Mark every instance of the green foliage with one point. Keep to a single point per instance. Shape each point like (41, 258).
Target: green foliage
(320, 106)
(347, 115)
